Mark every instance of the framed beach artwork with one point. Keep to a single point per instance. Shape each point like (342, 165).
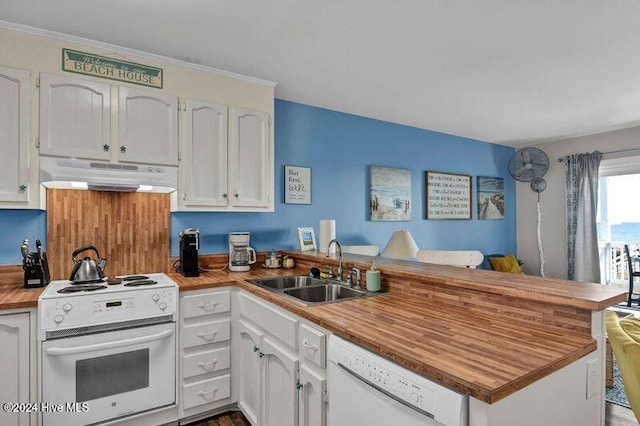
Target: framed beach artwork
(390, 194)
(490, 198)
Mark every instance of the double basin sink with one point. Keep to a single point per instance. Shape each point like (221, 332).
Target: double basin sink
(309, 290)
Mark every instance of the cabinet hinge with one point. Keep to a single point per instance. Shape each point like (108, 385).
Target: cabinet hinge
(179, 156)
(325, 397)
(182, 106)
(37, 142)
(37, 81)
(270, 121)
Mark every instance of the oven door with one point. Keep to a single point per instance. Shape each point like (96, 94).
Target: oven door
(104, 376)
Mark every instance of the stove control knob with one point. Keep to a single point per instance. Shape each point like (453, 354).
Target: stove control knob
(67, 307)
(162, 306)
(414, 398)
(155, 297)
(58, 319)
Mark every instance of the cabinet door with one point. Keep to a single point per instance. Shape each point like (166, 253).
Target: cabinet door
(75, 117)
(248, 362)
(251, 165)
(14, 134)
(14, 365)
(147, 127)
(279, 393)
(204, 166)
(313, 410)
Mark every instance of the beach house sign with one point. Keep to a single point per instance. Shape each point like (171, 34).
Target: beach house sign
(112, 69)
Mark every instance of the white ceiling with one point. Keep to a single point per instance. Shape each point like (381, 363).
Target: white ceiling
(513, 72)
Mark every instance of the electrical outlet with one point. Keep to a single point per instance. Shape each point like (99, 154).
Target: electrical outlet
(593, 377)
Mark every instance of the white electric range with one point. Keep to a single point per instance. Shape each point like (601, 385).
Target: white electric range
(107, 351)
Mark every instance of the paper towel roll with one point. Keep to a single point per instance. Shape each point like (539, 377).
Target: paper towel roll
(327, 233)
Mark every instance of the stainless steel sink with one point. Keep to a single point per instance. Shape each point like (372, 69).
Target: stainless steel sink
(325, 293)
(311, 291)
(288, 282)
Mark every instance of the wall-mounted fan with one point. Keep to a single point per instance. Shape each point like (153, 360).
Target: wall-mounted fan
(530, 165)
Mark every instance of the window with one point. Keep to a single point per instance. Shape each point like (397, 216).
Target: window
(618, 216)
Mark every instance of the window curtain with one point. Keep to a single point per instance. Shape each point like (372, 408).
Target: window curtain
(582, 203)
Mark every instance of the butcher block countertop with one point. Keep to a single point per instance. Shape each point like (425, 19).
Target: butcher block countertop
(475, 351)
(484, 355)
(13, 295)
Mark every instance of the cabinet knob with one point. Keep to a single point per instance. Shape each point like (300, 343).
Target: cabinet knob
(298, 385)
(261, 354)
(255, 348)
(236, 195)
(123, 149)
(22, 187)
(225, 195)
(105, 147)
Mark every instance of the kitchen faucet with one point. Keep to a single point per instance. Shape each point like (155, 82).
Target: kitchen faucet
(339, 247)
(354, 271)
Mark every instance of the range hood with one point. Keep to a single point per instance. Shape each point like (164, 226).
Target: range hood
(105, 176)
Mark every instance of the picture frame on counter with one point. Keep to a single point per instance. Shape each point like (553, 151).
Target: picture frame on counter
(307, 239)
(297, 185)
(448, 195)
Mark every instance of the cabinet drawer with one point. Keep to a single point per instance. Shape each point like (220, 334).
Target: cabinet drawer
(205, 304)
(210, 332)
(206, 362)
(312, 345)
(271, 320)
(206, 391)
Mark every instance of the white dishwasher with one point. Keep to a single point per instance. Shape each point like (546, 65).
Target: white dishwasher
(366, 389)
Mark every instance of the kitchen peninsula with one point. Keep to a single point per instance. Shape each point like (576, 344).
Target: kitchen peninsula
(519, 346)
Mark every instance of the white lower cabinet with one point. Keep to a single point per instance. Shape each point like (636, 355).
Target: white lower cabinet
(313, 391)
(17, 366)
(279, 385)
(279, 375)
(205, 351)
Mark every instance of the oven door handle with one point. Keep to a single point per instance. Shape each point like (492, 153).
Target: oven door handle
(109, 345)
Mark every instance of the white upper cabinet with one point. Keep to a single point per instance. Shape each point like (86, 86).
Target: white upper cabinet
(228, 159)
(251, 163)
(147, 127)
(205, 151)
(14, 135)
(74, 117)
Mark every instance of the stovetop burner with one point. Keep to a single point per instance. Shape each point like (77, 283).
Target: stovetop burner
(138, 283)
(81, 287)
(99, 280)
(135, 277)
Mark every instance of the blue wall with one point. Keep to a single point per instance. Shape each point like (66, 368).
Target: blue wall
(15, 226)
(339, 148)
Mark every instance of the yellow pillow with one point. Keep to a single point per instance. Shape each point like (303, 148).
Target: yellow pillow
(505, 264)
(631, 326)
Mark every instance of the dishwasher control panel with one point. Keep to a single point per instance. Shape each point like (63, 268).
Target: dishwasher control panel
(390, 382)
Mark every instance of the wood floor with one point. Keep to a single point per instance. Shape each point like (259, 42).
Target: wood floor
(234, 418)
(615, 416)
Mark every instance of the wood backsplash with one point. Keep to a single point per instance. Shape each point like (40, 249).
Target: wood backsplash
(130, 229)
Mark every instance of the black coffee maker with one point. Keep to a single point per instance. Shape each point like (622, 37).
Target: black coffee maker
(189, 245)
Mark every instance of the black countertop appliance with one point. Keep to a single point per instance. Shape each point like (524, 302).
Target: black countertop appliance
(189, 245)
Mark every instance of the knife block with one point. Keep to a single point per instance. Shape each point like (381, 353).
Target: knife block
(36, 271)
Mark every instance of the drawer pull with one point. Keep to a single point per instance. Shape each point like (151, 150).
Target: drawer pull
(208, 365)
(208, 392)
(208, 306)
(308, 346)
(205, 336)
